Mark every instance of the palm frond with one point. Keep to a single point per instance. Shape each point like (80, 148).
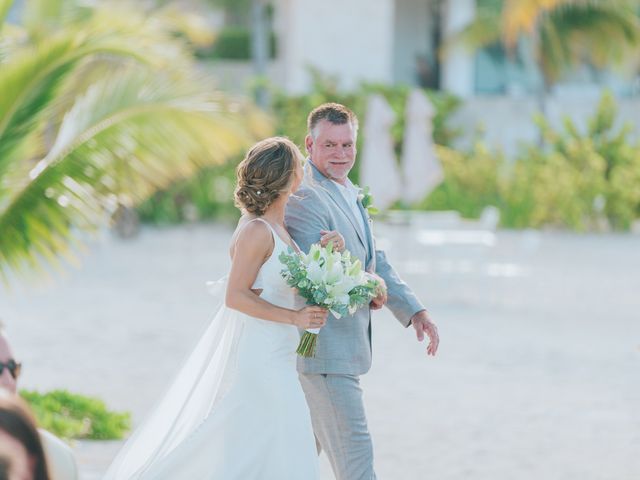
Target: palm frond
(564, 33)
(482, 32)
(5, 6)
(599, 33)
(192, 26)
(152, 36)
(41, 18)
(553, 53)
(592, 31)
(30, 83)
(45, 11)
(521, 17)
(124, 137)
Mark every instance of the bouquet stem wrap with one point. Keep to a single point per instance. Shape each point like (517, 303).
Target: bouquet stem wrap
(307, 346)
(328, 279)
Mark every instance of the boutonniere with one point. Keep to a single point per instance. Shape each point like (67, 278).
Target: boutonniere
(366, 199)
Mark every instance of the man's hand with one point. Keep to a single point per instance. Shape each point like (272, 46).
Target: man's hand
(332, 236)
(423, 324)
(378, 302)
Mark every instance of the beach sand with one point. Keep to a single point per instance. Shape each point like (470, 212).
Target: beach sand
(537, 377)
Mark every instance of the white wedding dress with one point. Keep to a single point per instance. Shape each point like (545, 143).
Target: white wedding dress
(236, 409)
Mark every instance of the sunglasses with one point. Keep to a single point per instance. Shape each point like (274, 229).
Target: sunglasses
(13, 366)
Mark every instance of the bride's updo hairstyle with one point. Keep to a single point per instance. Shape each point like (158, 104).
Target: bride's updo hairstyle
(265, 173)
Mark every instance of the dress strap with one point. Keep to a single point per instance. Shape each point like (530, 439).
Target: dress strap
(276, 237)
(273, 232)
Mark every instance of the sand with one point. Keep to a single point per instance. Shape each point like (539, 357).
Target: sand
(537, 377)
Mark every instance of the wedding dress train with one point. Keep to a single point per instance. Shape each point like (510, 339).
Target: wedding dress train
(236, 409)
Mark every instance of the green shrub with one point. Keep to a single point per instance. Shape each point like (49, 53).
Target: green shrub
(207, 195)
(605, 162)
(234, 43)
(471, 181)
(69, 415)
(577, 180)
(544, 189)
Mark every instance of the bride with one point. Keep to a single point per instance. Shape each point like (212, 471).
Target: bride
(236, 409)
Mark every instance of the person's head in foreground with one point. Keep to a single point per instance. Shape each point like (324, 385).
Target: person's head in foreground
(20, 441)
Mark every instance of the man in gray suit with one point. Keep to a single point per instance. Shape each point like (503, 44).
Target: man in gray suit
(327, 200)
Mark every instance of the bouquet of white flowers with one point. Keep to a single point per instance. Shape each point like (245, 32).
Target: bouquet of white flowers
(327, 279)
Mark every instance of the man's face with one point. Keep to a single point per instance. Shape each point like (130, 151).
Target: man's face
(333, 150)
(6, 380)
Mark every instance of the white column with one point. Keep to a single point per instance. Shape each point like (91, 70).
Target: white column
(457, 75)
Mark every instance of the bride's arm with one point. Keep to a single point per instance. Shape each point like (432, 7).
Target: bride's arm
(254, 245)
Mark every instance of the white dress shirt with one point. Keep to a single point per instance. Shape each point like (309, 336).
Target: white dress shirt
(350, 193)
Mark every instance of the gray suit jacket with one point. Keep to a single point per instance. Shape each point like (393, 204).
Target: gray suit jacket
(344, 345)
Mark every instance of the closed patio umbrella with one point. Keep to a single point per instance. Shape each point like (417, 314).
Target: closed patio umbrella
(421, 169)
(378, 168)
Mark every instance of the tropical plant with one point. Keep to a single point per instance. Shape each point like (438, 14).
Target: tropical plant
(605, 162)
(581, 180)
(101, 113)
(471, 181)
(206, 195)
(561, 34)
(69, 415)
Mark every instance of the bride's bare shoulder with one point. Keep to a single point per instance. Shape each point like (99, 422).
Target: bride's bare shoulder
(250, 235)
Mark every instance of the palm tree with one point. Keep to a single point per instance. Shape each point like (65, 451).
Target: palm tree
(562, 34)
(100, 113)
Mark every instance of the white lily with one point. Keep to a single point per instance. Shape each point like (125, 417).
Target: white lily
(334, 273)
(315, 272)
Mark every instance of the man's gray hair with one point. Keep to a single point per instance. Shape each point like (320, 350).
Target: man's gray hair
(334, 113)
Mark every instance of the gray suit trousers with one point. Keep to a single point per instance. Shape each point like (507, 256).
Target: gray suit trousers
(340, 423)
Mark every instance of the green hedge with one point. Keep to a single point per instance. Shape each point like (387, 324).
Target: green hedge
(207, 195)
(234, 43)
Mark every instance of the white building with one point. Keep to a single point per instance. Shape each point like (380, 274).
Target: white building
(368, 40)
(392, 41)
